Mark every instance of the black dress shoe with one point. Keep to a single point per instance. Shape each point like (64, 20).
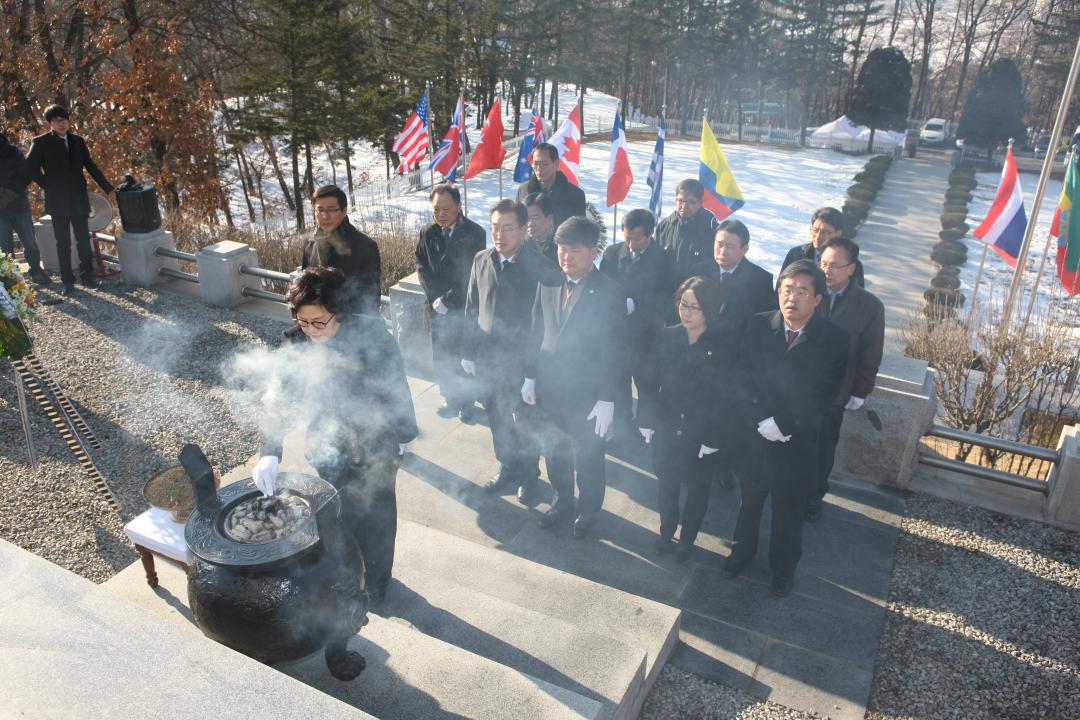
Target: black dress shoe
(447, 410)
(529, 493)
(40, 277)
(662, 546)
(554, 517)
(502, 481)
(781, 586)
(682, 553)
(732, 570)
(467, 414)
(582, 526)
(69, 289)
(91, 282)
(813, 511)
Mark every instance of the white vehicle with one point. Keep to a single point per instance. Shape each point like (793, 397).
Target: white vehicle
(933, 132)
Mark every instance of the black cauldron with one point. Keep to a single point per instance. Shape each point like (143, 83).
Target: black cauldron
(282, 599)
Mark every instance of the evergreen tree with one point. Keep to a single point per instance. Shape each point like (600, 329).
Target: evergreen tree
(882, 92)
(994, 111)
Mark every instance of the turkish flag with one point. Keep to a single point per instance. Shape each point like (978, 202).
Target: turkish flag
(489, 152)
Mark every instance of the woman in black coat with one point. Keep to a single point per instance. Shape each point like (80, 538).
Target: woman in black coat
(344, 379)
(683, 409)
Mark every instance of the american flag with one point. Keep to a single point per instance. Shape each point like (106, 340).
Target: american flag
(411, 144)
(533, 137)
(656, 172)
(452, 146)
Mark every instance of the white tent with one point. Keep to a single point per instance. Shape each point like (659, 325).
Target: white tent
(842, 134)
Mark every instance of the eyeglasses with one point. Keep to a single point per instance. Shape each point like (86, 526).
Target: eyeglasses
(683, 305)
(822, 230)
(326, 210)
(317, 324)
(832, 266)
(799, 292)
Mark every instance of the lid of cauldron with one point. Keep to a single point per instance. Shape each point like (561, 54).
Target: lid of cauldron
(206, 538)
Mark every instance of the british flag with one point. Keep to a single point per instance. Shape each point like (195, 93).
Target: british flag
(533, 137)
(411, 144)
(450, 150)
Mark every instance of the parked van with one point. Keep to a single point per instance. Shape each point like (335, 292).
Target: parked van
(933, 132)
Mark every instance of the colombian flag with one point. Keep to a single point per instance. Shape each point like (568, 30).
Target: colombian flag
(1067, 230)
(722, 194)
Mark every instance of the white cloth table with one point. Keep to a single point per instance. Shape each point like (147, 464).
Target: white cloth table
(155, 533)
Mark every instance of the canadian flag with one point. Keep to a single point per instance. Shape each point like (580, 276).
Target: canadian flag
(568, 142)
(619, 178)
(489, 152)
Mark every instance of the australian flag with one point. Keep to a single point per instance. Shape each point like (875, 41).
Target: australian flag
(533, 137)
(655, 180)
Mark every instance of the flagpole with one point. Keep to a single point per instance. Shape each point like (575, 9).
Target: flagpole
(500, 183)
(1044, 177)
(978, 279)
(431, 128)
(1042, 263)
(614, 220)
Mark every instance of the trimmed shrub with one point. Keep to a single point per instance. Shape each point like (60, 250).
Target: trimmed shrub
(954, 221)
(861, 192)
(949, 256)
(946, 280)
(944, 296)
(949, 270)
(957, 197)
(952, 245)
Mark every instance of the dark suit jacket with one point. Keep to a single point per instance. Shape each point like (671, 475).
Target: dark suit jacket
(794, 385)
(748, 291)
(689, 241)
(567, 199)
(649, 281)
(577, 356)
(807, 252)
(498, 309)
(358, 259)
(60, 173)
(863, 316)
(444, 266)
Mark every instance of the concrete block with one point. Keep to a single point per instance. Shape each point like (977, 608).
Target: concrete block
(407, 304)
(138, 263)
(887, 456)
(799, 678)
(1063, 500)
(73, 649)
(220, 281)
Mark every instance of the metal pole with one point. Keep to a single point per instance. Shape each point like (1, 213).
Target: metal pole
(1055, 139)
(978, 279)
(430, 129)
(1035, 288)
(614, 220)
(500, 183)
(25, 417)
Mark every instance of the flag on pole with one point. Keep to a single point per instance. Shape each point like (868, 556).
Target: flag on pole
(1066, 229)
(411, 144)
(620, 177)
(655, 180)
(533, 137)
(722, 194)
(1005, 222)
(489, 152)
(450, 150)
(567, 140)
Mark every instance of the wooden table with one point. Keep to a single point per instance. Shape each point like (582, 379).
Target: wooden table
(155, 533)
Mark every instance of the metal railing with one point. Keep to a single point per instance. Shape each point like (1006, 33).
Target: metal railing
(178, 254)
(967, 437)
(259, 272)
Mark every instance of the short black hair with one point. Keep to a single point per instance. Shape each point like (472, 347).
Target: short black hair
(317, 286)
(542, 201)
(331, 191)
(54, 111)
(804, 267)
(445, 189)
(848, 246)
(736, 228)
(506, 206)
(551, 150)
(639, 218)
(691, 186)
(829, 215)
(578, 231)
(708, 293)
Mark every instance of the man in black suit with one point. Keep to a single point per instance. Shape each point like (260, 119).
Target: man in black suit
(863, 316)
(573, 370)
(498, 318)
(688, 232)
(793, 363)
(747, 289)
(336, 242)
(444, 257)
(646, 273)
(56, 162)
(541, 224)
(567, 200)
(825, 224)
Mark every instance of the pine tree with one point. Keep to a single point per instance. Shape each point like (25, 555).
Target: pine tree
(882, 92)
(994, 111)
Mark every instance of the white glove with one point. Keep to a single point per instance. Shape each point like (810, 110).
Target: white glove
(439, 306)
(403, 448)
(265, 474)
(706, 450)
(469, 367)
(629, 306)
(854, 403)
(603, 412)
(528, 391)
(647, 433)
(769, 430)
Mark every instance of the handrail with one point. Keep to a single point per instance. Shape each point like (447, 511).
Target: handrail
(178, 274)
(259, 272)
(1010, 446)
(262, 294)
(178, 254)
(105, 238)
(1006, 478)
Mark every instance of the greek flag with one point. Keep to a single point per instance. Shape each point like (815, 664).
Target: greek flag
(656, 172)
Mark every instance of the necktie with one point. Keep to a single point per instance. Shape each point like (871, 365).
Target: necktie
(832, 302)
(791, 335)
(724, 276)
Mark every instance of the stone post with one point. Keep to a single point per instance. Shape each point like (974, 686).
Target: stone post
(220, 281)
(407, 303)
(46, 240)
(1062, 506)
(138, 263)
(904, 402)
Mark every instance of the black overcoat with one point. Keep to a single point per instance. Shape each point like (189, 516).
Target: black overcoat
(649, 281)
(358, 258)
(806, 251)
(444, 266)
(690, 242)
(59, 172)
(567, 199)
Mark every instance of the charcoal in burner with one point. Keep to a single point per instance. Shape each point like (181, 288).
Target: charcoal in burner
(263, 519)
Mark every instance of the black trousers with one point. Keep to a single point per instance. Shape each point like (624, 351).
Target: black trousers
(63, 227)
(827, 441)
(515, 448)
(785, 538)
(693, 512)
(573, 451)
(446, 338)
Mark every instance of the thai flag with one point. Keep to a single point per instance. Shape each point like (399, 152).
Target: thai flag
(1003, 228)
(452, 146)
(533, 137)
(655, 180)
(620, 177)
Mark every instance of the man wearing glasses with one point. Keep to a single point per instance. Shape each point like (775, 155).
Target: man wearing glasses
(863, 316)
(337, 243)
(566, 200)
(825, 224)
(793, 363)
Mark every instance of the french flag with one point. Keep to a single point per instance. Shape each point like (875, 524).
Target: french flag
(1003, 228)
(620, 178)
